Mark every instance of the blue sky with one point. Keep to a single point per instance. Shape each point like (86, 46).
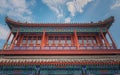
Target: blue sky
(59, 11)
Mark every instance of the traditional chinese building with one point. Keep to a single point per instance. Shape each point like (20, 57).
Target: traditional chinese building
(60, 48)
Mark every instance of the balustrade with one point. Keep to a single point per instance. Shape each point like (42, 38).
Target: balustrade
(60, 47)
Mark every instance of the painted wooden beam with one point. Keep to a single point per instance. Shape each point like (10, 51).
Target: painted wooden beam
(61, 52)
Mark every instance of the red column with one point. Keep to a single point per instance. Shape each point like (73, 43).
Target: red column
(12, 44)
(97, 39)
(31, 42)
(46, 40)
(7, 41)
(36, 39)
(65, 40)
(18, 40)
(104, 38)
(92, 39)
(76, 39)
(22, 36)
(107, 42)
(82, 40)
(112, 39)
(100, 39)
(43, 39)
(27, 40)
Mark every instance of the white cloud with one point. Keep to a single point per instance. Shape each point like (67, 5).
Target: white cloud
(56, 6)
(77, 6)
(72, 6)
(116, 4)
(67, 20)
(32, 2)
(16, 8)
(3, 32)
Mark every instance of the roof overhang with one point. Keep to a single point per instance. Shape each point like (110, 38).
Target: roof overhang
(106, 23)
(61, 60)
(61, 52)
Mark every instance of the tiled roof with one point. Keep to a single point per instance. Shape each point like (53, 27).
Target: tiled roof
(64, 60)
(106, 23)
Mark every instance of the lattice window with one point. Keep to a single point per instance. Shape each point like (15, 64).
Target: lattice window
(50, 40)
(34, 40)
(87, 40)
(39, 40)
(94, 40)
(59, 40)
(29, 39)
(68, 40)
(62, 40)
(24, 40)
(56, 39)
(80, 39)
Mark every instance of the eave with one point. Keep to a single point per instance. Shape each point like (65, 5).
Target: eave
(61, 52)
(59, 63)
(106, 23)
(60, 60)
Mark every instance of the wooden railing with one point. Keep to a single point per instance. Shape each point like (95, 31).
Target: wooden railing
(59, 47)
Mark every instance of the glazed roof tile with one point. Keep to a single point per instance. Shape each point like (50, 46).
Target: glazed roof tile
(106, 23)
